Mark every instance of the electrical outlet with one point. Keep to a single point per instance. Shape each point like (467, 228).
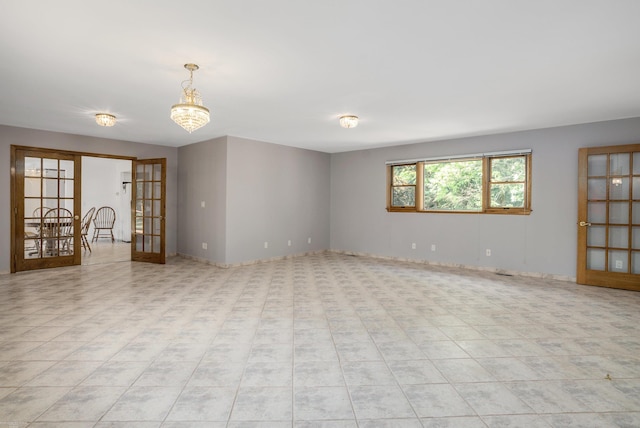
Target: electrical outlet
(488, 252)
(202, 204)
(433, 247)
(289, 243)
(204, 245)
(413, 245)
(309, 240)
(266, 244)
(618, 264)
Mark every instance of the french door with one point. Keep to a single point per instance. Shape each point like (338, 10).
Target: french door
(46, 207)
(609, 217)
(148, 216)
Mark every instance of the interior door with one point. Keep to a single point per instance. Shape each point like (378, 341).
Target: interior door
(149, 206)
(46, 206)
(609, 217)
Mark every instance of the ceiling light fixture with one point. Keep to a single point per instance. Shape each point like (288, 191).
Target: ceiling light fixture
(190, 113)
(348, 121)
(105, 119)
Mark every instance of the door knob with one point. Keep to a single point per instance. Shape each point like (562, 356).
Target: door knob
(584, 223)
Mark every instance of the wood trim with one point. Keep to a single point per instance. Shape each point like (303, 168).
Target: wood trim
(582, 216)
(88, 154)
(389, 181)
(486, 186)
(623, 281)
(13, 211)
(611, 149)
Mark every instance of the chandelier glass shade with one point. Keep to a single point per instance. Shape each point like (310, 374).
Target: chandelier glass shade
(105, 119)
(189, 113)
(348, 121)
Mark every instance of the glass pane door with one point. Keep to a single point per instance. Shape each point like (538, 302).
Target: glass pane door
(47, 200)
(609, 216)
(148, 243)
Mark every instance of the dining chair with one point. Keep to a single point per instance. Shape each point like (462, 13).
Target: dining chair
(34, 231)
(103, 223)
(57, 232)
(84, 228)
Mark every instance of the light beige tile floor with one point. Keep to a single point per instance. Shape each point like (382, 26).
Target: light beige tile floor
(325, 340)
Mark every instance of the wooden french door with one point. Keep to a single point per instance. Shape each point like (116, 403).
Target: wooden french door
(609, 217)
(149, 206)
(46, 209)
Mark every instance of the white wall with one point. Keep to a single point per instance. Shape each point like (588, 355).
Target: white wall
(102, 186)
(543, 242)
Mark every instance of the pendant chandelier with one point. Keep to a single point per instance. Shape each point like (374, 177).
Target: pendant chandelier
(189, 112)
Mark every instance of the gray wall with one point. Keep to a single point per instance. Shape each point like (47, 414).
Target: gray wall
(202, 177)
(275, 194)
(543, 242)
(257, 192)
(43, 139)
(261, 193)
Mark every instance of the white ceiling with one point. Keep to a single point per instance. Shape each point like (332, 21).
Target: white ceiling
(282, 71)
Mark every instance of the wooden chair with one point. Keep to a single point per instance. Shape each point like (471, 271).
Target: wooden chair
(84, 228)
(103, 223)
(57, 232)
(34, 232)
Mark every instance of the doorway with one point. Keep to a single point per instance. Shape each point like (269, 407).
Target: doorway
(46, 208)
(106, 182)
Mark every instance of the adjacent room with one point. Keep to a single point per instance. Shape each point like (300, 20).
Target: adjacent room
(330, 214)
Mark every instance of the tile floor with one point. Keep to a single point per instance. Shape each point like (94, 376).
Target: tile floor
(318, 341)
(105, 251)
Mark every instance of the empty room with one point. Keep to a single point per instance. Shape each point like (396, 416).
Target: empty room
(320, 214)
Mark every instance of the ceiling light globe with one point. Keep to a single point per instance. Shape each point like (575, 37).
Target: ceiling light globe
(105, 119)
(348, 121)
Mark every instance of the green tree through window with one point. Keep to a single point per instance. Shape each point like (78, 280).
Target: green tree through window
(455, 186)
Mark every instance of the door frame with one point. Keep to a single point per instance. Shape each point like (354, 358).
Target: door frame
(627, 281)
(14, 190)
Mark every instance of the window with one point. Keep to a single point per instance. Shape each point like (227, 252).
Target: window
(497, 183)
(403, 186)
(453, 186)
(507, 182)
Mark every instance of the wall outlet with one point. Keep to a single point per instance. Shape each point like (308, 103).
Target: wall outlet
(204, 245)
(309, 240)
(488, 252)
(266, 244)
(413, 245)
(433, 247)
(202, 204)
(289, 243)
(618, 264)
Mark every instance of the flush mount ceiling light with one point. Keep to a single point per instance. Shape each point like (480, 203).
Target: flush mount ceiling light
(348, 121)
(105, 119)
(190, 113)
